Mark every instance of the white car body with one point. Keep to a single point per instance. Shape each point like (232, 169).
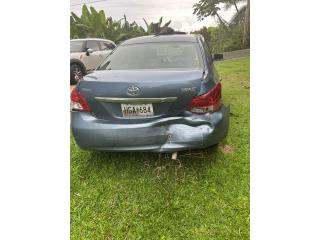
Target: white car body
(99, 50)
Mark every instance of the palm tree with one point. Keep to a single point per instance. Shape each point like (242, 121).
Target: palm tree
(241, 17)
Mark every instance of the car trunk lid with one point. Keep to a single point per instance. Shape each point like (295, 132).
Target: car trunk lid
(167, 92)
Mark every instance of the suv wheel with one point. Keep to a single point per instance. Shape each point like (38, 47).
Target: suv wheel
(76, 73)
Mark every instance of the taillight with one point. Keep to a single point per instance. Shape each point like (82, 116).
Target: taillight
(78, 102)
(208, 102)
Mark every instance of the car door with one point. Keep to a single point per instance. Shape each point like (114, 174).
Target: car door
(92, 60)
(106, 48)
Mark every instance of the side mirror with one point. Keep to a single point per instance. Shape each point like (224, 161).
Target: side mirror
(217, 57)
(89, 50)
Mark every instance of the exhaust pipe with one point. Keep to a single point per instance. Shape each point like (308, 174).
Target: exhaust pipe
(174, 156)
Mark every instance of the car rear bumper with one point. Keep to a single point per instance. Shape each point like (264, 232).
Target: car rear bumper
(191, 131)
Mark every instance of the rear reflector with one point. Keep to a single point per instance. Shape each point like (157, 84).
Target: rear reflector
(78, 102)
(208, 102)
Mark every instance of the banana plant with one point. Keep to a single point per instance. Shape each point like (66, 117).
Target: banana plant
(92, 23)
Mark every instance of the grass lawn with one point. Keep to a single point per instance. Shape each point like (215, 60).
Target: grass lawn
(204, 195)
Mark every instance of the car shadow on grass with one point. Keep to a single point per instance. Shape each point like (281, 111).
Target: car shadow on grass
(154, 164)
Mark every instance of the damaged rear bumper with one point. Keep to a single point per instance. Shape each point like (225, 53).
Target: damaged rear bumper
(190, 131)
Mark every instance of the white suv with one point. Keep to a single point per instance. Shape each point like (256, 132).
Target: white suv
(86, 55)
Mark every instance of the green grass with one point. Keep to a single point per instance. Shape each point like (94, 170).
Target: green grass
(204, 195)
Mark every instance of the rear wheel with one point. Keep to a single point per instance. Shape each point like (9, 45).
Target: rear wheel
(76, 73)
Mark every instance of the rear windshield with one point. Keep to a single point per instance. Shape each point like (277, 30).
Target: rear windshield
(166, 55)
(76, 46)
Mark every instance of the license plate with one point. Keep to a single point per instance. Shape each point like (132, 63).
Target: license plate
(137, 110)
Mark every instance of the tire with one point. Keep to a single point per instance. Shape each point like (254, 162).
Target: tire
(76, 73)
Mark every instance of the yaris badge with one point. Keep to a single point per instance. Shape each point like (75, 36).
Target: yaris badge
(133, 90)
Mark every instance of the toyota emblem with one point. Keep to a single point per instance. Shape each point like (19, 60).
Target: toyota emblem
(133, 90)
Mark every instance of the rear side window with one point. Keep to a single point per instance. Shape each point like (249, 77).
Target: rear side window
(94, 45)
(76, 46)
(165, 55)
(107, 46)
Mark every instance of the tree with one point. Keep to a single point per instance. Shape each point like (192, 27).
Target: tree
(204, 31)
(232, 3)
(95, 24)
(239, 16)
(205, 8)
(246, 29)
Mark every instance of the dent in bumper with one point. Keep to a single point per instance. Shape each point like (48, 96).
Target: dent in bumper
(162, 135)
